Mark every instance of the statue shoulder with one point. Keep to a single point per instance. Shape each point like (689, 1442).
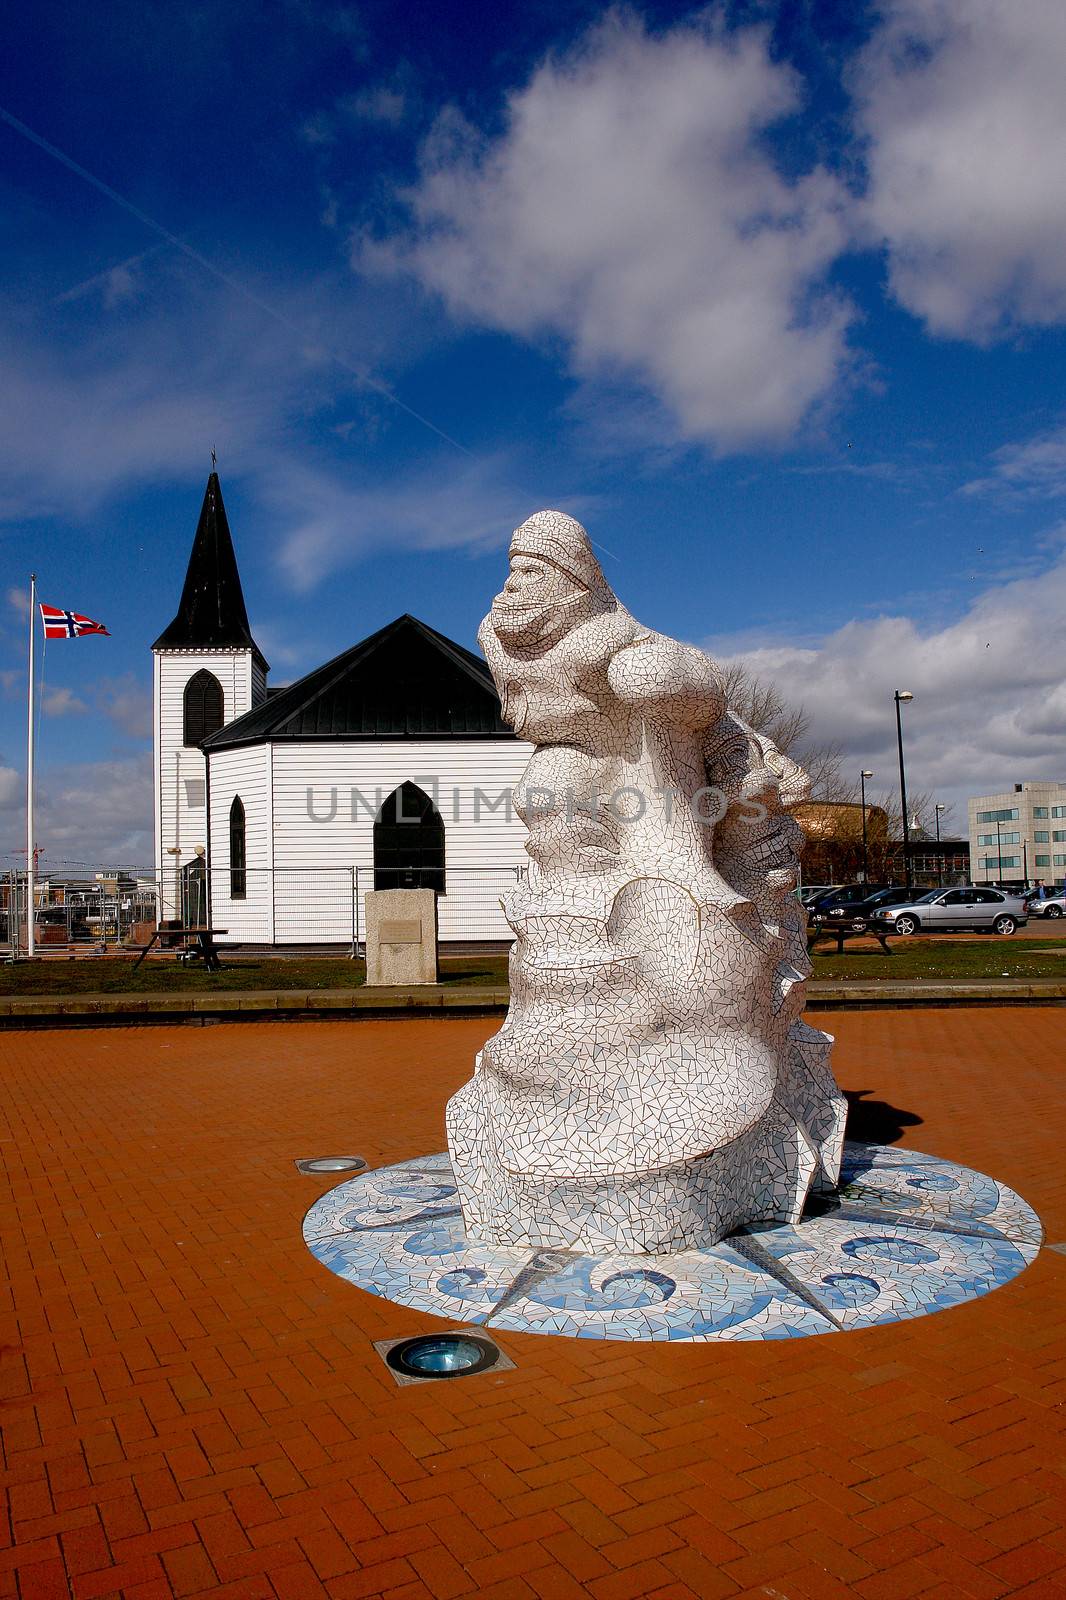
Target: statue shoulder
(655, 668)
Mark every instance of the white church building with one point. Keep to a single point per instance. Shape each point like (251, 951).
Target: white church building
(276, 809)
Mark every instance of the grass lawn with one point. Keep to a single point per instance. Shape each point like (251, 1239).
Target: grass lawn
(110, 975)
(911, 958)
(951, 957)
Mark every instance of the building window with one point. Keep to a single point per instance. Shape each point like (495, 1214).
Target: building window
(409, 842)
(238, 857)
(1040, 811)
(995, 863)
(1042, 861)
(1058, 811)
(1060, 861)
(1000, 838)
(1008, 814)
(1058, 836)
(203, 707)
(1041, 836)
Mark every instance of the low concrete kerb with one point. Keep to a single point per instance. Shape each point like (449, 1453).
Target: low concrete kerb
(241, 1005)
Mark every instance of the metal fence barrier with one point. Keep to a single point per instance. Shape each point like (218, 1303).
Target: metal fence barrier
(262, 906)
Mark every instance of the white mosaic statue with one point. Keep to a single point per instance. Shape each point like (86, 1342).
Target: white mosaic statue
(653, 1087)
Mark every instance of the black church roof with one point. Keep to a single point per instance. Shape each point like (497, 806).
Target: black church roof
(405, 682)
(211, 615)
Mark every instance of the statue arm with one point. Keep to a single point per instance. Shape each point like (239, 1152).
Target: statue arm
(661, 677)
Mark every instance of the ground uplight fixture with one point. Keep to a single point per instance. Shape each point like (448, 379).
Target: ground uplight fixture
(459, 1353)
(319, 1164)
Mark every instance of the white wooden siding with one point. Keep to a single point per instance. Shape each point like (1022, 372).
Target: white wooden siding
(177, 822)
(481, 853)
(244, 772)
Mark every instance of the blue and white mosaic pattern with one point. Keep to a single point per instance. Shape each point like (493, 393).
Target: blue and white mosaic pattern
(906, 1234)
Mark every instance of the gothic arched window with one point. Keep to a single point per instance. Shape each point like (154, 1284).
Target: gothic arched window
(204, 711)
(409, 842)
(238, 853)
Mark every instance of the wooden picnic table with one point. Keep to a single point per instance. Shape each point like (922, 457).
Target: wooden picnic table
(204, 940)
(840, 934)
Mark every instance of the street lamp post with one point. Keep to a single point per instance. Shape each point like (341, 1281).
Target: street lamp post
(862, 787)
(937, 809)
(900, 696)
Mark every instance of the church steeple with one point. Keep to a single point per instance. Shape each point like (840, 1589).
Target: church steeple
(212, 614)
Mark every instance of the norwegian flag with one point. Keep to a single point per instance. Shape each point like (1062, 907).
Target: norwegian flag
(68, 624)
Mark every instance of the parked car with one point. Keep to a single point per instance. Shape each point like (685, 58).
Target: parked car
(809, 892)
(1048, 903)
(855, 918)
(942, 910)
(844, 894)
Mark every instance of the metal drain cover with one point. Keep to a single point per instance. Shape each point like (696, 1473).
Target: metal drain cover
(320, 1164)
(459, 1353)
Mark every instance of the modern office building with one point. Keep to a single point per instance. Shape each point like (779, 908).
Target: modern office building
(1019, 834)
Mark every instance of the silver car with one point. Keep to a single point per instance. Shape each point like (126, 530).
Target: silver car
(942, 910)
(1052, 905)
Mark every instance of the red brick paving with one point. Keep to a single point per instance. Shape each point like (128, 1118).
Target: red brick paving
(191, 1405)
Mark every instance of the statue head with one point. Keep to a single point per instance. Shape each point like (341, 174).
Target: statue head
(757, 841)
(555, 582)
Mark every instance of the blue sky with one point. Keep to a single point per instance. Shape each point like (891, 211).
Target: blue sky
(771, 296)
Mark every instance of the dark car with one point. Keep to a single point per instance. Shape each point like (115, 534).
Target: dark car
(848, 894)
(855, 918)
(809, 892)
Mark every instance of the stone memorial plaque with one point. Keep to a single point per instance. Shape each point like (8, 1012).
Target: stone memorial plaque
(401, 937)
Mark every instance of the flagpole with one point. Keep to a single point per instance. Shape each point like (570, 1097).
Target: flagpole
(30, 842)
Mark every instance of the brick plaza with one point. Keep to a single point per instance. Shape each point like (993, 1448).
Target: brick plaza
(192, 1406)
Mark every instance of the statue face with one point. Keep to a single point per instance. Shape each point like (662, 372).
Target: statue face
(537, 604)
(749, 847)
(528, 576)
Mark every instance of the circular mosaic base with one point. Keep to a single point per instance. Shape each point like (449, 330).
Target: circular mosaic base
(906, 1234)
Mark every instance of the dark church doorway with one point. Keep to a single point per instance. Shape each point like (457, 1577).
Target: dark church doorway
(194, 893)
(409, 842)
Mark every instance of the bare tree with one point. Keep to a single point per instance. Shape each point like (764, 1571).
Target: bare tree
(760, 704)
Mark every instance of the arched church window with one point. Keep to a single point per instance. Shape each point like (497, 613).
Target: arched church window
(238, 854)
(204, 707)
(409, 842)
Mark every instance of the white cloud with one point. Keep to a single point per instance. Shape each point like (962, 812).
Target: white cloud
(441, 506)
(378, 104)
(989, 690)
(114, 284)
(631, 207)
(1029, 469)
(12, 789)
(97, 812)
(92, 812)
(62, 702)
(965, 114)
(127, 701)
(91, 405)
